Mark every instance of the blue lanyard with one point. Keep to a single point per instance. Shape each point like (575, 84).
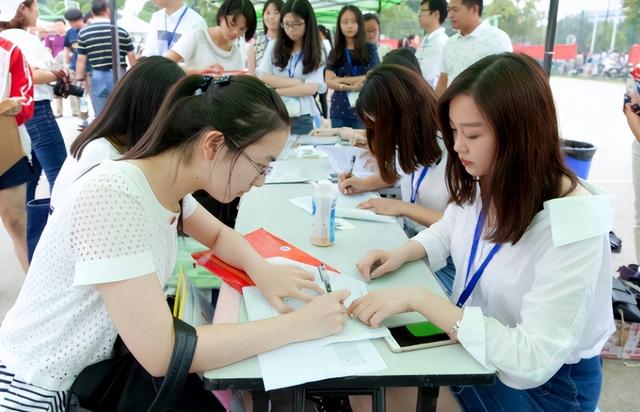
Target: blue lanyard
(292, 70)
(414, 189)
(354, 70)
(474, 249)
(172, 35)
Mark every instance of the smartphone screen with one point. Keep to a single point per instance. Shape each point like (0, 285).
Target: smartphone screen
(417, 334)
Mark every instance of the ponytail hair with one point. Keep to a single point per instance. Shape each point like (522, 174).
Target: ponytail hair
(242, 108)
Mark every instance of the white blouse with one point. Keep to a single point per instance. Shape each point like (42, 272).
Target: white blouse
(109, 226)
(294, 70)
(541, 303)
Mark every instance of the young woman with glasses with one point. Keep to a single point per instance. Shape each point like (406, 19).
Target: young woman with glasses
(109, 248)
(293, 65)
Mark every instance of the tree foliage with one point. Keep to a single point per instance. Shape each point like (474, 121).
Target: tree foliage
(520, 20)
(399, 21)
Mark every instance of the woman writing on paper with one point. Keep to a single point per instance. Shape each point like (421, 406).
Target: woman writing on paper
(532, 293)
(293, 64)
(407, 149)
(107, 251)
(218, 49)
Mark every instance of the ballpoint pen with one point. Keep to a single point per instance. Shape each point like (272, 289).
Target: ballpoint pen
(351, 165)
(324, 277)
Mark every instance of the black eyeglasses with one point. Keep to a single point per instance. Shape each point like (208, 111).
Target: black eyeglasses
(263, 170)
(292, 26)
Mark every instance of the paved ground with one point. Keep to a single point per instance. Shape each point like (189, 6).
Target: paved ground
(590, 111)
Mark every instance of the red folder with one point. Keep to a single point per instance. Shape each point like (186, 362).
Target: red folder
(267, 245)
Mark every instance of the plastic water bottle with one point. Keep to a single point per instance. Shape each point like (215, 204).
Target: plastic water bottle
(323, 225)
(84, 106)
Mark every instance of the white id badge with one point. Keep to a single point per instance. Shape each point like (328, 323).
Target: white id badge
(293, 104)
(353, 98)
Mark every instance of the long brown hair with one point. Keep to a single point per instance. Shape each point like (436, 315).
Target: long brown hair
(18, 21)
(514, 96)
(398, 109)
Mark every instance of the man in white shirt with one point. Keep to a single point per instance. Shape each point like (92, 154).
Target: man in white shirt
(169, 24)
(474, 40)
(430, 17)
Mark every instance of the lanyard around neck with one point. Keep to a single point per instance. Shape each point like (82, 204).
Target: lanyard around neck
(471, 284)
(173, 34)
(353, 70)
(414, 189)
(292, 70)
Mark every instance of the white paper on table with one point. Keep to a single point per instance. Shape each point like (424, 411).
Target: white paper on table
(347, 353)
(306, 139)
(347, 207)
(310, 152)
(258, 308)
(283, 173)
(340, 160)
(303, 362)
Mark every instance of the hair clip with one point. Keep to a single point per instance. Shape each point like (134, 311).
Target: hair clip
(208, 80)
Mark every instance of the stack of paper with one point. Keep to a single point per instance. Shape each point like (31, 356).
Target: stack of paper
(347, 353)
(340, 160)
(283, 172)
(347, 207)
(306, 139)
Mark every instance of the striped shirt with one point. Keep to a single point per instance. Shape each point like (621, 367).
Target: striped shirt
(94, 41)
(17, 395)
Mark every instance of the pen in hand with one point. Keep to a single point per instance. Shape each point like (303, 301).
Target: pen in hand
(324, 277)
(351, 165)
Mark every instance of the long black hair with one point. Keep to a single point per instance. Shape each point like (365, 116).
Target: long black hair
(236, 8)
(242, 108)
(360, 55)
(311, 46)
(278, 4)
(132, 105)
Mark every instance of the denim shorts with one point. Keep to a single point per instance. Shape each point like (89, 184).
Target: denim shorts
(21, 172)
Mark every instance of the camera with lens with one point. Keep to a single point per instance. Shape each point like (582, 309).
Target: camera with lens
(63, 88)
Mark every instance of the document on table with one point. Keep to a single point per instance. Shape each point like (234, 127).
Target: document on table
(283, 173)
(347, 353)
(340, 160)
(347, 207)
(306, 139)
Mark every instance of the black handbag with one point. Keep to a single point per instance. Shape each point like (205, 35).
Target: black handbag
(121, 384)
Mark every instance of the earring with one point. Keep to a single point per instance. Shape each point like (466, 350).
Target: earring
(476, 178)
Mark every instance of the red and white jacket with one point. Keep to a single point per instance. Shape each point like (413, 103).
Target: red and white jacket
(15, 79)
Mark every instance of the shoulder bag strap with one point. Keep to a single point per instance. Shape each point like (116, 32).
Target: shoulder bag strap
(184, 348)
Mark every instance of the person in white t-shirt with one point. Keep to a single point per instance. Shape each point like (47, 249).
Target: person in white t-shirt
(110, 246)
(530, 241)
(130, 109)
(431, 17)
(219, 49)
(168, 25)
(474, 40)
(270, 26)
(293, 64)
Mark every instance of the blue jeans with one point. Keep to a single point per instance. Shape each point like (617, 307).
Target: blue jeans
(573, 388)
(302, 124)
(48, 151)
(352, 123)
(101, 86)
(445, 276)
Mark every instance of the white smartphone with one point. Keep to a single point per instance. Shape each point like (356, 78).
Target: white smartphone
(415, 336)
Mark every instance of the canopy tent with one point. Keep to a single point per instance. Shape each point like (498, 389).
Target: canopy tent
(327, 10)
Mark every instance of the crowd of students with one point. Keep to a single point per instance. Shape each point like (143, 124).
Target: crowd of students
(467, 128)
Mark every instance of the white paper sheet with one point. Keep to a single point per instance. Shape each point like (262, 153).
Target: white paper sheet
(347, 353)
(306, 139)
(283, 173)
(347, 207)
(340, 160)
